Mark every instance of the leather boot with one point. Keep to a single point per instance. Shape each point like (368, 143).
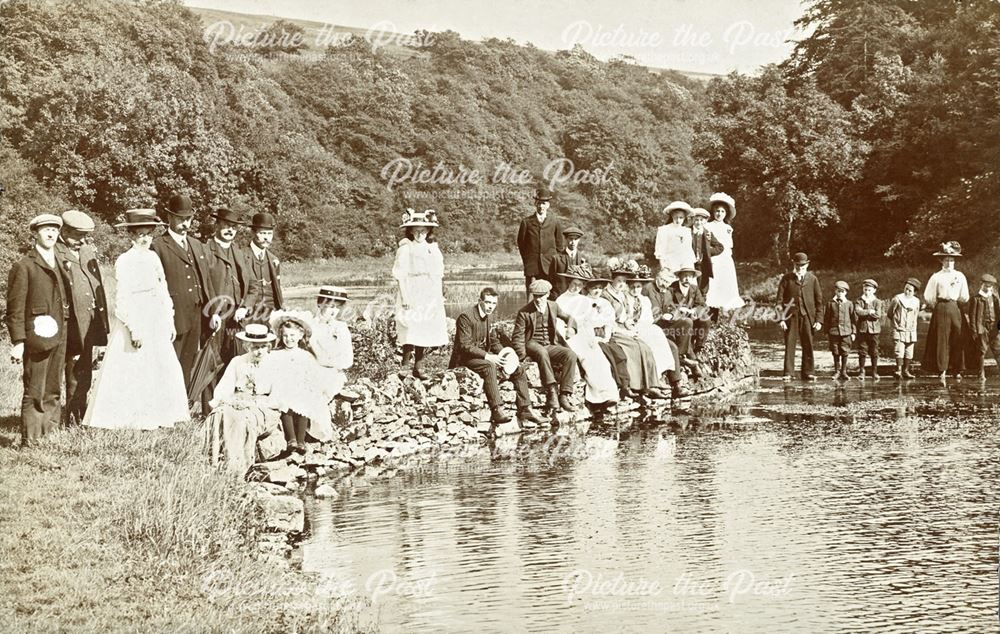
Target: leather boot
(418, 358)
(407, 354)
(566, 403)
(552, 403)
(529, 415)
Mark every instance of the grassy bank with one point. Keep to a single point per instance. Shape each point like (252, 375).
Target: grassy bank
(131, 531)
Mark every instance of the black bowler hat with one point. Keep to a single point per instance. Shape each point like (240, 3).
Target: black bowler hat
(180, 205)
(262, 221)
(543, 194)
(228, 215)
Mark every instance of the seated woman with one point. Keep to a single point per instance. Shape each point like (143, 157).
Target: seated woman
(643, 377)
(299, 390)
(331, 338)
(601, 386)
(664, 350)
(242, 412)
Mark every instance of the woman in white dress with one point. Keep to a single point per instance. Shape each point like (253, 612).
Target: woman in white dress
(419, 270)
(601, 386)
(674, 244)
(141, 384)
(331, 338)
(649, 332)
(723, 288)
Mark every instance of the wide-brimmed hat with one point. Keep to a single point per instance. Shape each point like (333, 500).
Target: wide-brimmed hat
(573, 230)
(140, 218)
(698, 212)
(539, 287)
(180, 205)
(414, 218)
(543, 194)
(78, 220)
(509, 362)
(988, 279)
(45, 220)
(723, 198)
(643, 275)
(686, 270)
(583, 272)
(262, 221)
(949, 249)
(228, 215)
(335, 293)
(256, 333)
(842, 285)
(677, 205)
(301, 318)
(914, 282)
(870, 282)
(800, 258)
(620, 266)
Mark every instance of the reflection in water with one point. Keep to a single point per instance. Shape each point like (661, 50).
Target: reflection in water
(805, 506)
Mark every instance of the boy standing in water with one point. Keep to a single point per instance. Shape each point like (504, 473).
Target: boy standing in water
(984, 311)
(868, 310)
(838, 322)
(902, 314)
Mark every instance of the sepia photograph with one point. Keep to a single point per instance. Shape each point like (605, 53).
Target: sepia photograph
(328, 316)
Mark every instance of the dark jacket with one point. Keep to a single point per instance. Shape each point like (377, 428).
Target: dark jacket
(524, 326)
(800, 298)
(977, 316)
(560, 264)
(228, 269)
(539, 244)
(839, 318)
(869, 315)
(705, 246)
(255, 291)
(88, 302)
(34, 289)
(474, 338)
(188, 278)
(665, 301)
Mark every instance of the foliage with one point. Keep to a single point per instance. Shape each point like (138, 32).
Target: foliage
(726, 349)
(374, 340)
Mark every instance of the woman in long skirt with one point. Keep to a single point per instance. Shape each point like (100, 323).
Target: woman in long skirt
(419, 270)
(666, 360)
(947, 291)
(601, 386)
(141, 384)
(723, 288)
(643, 377)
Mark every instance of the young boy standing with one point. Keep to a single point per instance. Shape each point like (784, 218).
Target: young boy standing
(869, 311)
(839, 324)
(902, 314)
(984, 311)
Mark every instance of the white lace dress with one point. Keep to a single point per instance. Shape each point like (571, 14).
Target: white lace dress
(723, 288)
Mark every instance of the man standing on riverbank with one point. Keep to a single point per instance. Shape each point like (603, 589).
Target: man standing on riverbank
(264, 283)
(88, 318)
(477, 348)
(800, 303)
(37, 314)
(228, 267)
(539, 240)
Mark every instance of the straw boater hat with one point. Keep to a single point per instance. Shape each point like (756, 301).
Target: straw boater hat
(687, 269)
(582, 272)
(949, 249)
(335, 293)
(301, 318)
(140, 218)
(256, 333)
(723, 198)
(677, 205)
(509, 362)
(414, 218)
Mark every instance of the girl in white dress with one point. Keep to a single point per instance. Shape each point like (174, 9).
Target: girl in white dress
(673, 247)
(419, 270)
(601, 385)
(141, 384)
(723, 288)
(331, 338)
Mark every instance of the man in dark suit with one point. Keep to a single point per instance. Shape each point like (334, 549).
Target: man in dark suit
(800, 303)
(37, 316)
(570, 256)
(539, 239)
(88, 321)
(477, 347)
(705, 246)
(264, 280)
(229, 268)
(535, 337)
(185, 264)
(679, 309)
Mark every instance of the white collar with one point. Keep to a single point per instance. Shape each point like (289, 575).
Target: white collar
(224, 245)
(479, 309)
(257, 251)
(178, 238)
(49, 256)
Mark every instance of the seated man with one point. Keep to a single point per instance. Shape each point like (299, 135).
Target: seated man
(476, 347)
(535, 337)
(679, 308)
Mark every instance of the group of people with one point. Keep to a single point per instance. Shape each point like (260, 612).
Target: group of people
(964, 329)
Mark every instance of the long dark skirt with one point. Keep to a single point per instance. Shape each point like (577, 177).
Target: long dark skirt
(945, 341)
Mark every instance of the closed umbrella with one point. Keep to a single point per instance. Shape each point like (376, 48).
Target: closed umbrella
(208, 366)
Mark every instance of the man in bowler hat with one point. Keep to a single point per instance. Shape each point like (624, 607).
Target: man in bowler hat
(570, 256)
(88, 319)
(186, 266)
(800, 303)
(228, 266)
(539, 240)
(37, 314)
(264, 275)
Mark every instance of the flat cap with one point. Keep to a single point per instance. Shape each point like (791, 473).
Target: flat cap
(870, 282)
(914, 282)
(77, 220)
(573, 230)
(988, 279)
(842, 285)
(698, 212)
(45, 220)
(540, 287)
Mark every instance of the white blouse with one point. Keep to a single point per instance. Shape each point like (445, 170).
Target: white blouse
(947, 285)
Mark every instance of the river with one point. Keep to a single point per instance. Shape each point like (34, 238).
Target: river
(806, 507)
